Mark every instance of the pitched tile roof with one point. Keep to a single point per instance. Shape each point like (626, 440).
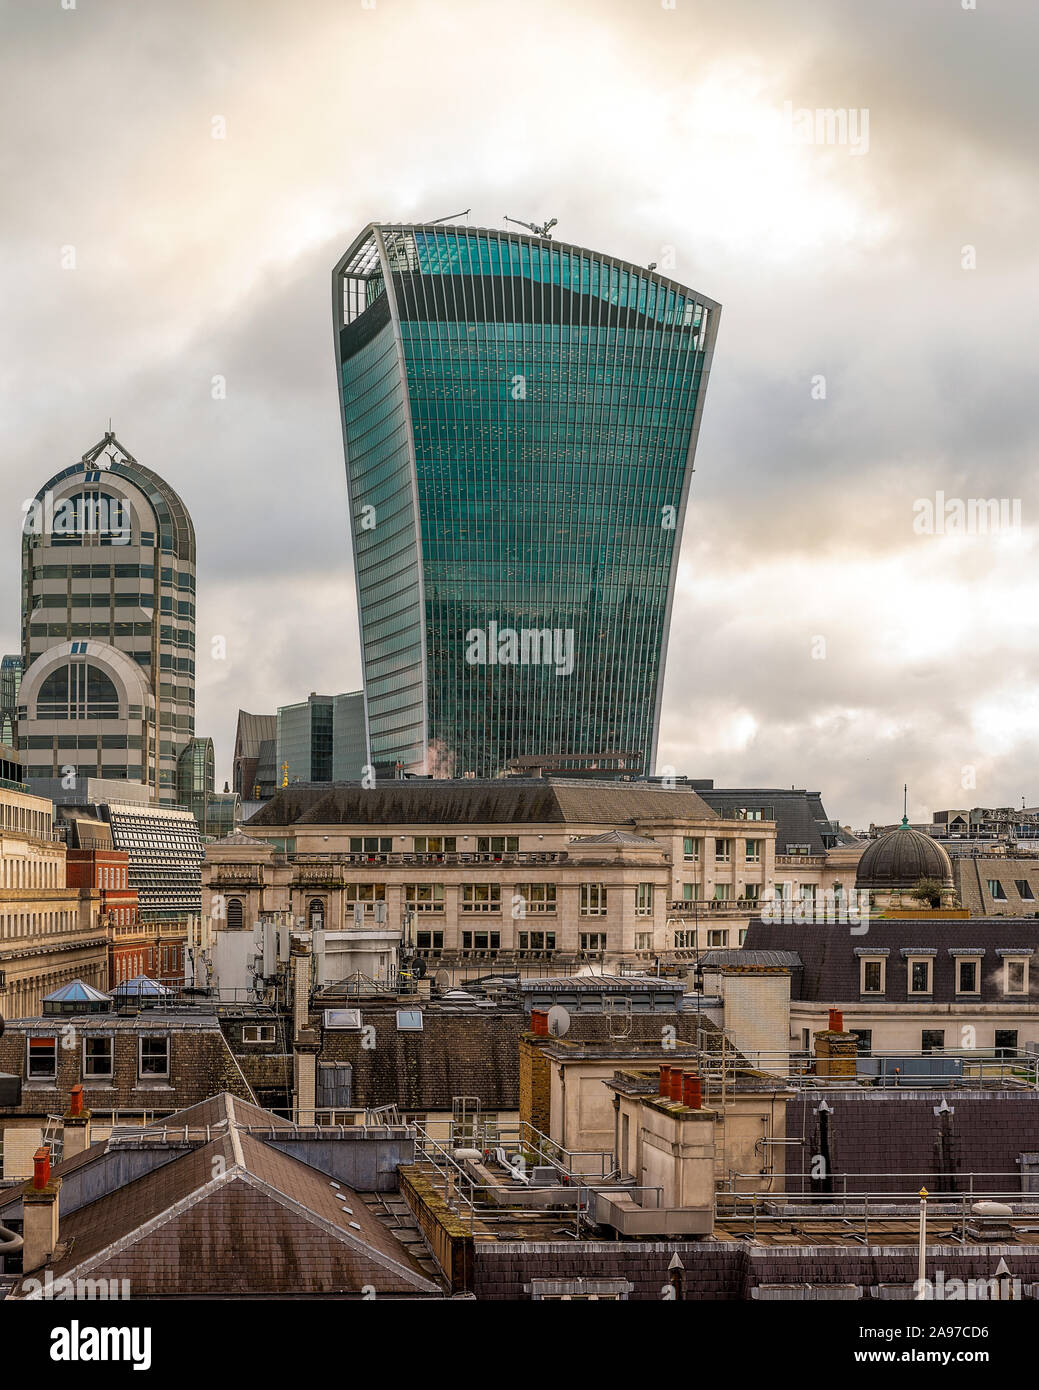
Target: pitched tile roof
(235, 1217)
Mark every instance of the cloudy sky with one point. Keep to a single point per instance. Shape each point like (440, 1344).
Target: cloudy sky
(877, 343)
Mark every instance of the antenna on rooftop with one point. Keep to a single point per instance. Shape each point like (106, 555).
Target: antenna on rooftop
(545, 229)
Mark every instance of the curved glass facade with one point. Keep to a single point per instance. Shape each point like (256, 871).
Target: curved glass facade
(519, 421)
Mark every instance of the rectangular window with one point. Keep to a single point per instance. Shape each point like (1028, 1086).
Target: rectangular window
(690, 892)
(644, 900)
(968, 970)
(752, 892)
(1015, 975)
(691, 849)
(718, 938)
(537, 897)
(429, 940)
(371, 844)
(920, 975)
(593, 941)
(481, 897)
(722, 892)
(42, 1059)
(1024, 889)
(537, 940)
(643, 941)
(497, 844)
(97, 1057)
(481, 940)
(409, 1020)
(424, 897)
(996, 890)
(871, 977)
(258, 1033)
(593, 899)
(754, 851)
(1006, 1041)
(365, 893)
(154, 1057)
(435, 844)
(932, 1040)
(865, 1040)
(722, 851)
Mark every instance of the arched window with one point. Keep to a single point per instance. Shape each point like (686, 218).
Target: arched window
(91, 517)
(316, 914)
(77, 691)
(234, 914)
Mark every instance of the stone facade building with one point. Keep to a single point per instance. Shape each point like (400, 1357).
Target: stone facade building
(513, 870)
(49, 933)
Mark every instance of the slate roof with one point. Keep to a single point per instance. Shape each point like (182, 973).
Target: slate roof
(971, 874)
(797, 813)
(830, 956)
(504, 801)
(234, 1217)
(788, 960)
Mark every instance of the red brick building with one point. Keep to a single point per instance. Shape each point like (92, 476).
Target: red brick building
(134, 947)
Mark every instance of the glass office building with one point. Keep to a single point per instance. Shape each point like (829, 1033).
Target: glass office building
(321, 739)
(519, 420)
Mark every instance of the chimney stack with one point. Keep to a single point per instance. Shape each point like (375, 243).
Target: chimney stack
(76, 1123)
(665, 1081)
(40, 1213)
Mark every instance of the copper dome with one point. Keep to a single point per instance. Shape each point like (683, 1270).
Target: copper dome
(901, 858)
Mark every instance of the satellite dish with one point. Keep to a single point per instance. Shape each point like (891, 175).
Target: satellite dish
(442, 979)
(418, 967)
(558, 1021)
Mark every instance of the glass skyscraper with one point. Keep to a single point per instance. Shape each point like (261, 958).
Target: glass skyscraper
(519, 420)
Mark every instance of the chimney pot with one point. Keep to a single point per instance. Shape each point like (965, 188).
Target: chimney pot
(665, 1081)
(539, 1022)
(676, 1084)
(692, 1091)
(836, 1021)
(41, 1167)
(76, 1102)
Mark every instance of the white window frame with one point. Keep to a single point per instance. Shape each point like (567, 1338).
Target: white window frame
(873, 960)
(1015, 960)
(957, 961)
(262, 1033)
(919, 993)
(89, 1075)
(142, 1076)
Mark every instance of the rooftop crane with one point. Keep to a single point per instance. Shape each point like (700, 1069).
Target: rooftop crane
(545, 230)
